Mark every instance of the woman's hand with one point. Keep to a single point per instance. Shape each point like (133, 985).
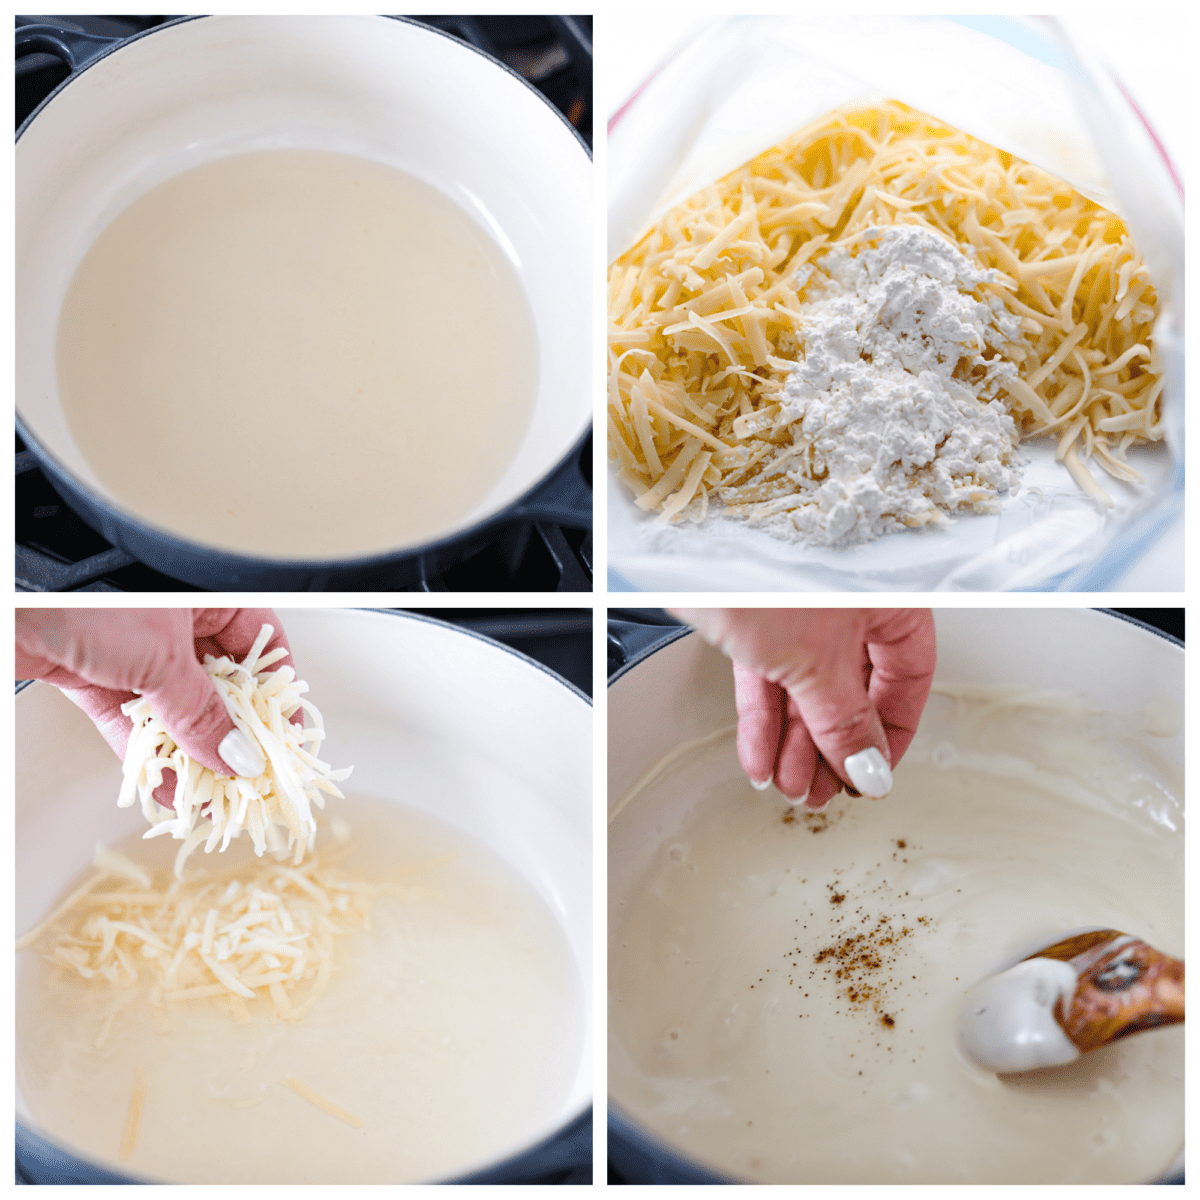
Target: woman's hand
(826, 697)
(99, 657)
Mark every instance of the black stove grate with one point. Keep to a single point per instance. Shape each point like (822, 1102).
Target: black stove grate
(58, 551)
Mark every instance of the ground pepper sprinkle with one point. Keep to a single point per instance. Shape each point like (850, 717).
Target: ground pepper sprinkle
(860, 962)
(814, 822)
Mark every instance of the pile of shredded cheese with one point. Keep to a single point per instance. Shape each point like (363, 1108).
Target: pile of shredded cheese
(228, 938)
(261, 703)
(705, 324)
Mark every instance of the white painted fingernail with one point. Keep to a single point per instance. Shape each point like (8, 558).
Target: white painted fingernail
(799, 801)
(820, 808)
(869, 772)
(762, 784)
(241, 755)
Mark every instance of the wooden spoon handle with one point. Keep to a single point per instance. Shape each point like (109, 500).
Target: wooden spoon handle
(1123, 990)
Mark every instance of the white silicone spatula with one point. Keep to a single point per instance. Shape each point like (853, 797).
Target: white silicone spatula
(1068, 998)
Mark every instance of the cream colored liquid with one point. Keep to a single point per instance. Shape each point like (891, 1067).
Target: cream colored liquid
(451, 1029)
(744, 1050)
(295, 353)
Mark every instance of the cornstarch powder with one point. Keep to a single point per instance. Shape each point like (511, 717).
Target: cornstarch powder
(893, 402)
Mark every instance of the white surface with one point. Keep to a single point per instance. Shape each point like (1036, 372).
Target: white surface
(1156, 565)
(1160, 568)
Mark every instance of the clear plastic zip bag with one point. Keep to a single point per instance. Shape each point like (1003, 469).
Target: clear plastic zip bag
(744, 85)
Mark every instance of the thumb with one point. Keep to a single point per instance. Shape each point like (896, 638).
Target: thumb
(846, 728)
(189, 705)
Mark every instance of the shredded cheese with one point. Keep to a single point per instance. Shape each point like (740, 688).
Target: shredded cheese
(334, 1110)
(261, 704)
(704, 324)
(133, 1121)
(263, 934)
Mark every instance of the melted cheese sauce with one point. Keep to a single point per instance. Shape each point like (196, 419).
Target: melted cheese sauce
(296, 353)
(451, 1029)
(784, 993)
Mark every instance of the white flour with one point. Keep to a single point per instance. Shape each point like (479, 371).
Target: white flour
(892, 405)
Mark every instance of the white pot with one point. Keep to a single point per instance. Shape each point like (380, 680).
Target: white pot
(681, 689)
(430, 716)
(390, 90)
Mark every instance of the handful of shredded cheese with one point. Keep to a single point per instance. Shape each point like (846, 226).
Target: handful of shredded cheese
(705, 322)
(228, 939)
(261, 703)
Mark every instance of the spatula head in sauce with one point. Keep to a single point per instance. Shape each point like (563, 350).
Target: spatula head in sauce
(1068, 998)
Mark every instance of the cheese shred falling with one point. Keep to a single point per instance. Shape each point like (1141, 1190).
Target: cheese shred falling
(706, 317)
(133, 1121)
(275, 808)
(334, 1110)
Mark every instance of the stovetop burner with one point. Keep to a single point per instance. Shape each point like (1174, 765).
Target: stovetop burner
(58, 551)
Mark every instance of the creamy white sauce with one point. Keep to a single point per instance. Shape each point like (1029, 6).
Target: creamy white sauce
(451, 1028)
(734, 1039)
(295, 353)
